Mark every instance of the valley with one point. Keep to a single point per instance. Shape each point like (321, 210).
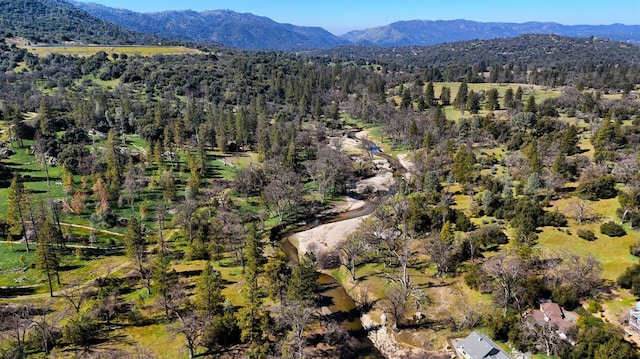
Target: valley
(191, 199)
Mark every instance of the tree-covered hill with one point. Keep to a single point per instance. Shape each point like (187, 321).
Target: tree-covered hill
(510, 59)
(58, 21)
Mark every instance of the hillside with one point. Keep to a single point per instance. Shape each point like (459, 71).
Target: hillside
(251, 32)
(245, 31)
(424, 32)
(526, 52)
(58, 21)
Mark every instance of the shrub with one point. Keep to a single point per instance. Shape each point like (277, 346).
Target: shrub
(554, 219)
(587, 234)
(600, 188)
(328, 260)
(594, 306)
(81, 330)
(612, 229)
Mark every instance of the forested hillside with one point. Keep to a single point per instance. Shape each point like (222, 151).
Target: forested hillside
(58, 21)
(539, 59)
(233, 204)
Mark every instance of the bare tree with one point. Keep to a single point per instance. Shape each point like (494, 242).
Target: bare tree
(626, 169)
(581, 273)
(131, 185)
(330, 170)
(581, 210)
(352, 252)
(545, 337)
(45, 326)
(14, 324)
(76, 294)
(191, 326)
(461, 313)
(509, 273)
(443, 249)
(297, 316)
(400, 299)
(283, 193)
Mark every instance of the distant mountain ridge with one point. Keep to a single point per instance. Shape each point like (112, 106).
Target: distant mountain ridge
(427, 32)
(252, 32)
(241, 30)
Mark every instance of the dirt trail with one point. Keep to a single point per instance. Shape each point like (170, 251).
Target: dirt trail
(92, 229)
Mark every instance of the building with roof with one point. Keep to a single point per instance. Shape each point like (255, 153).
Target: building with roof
(634, 317)
(479, 346)
(551, 313)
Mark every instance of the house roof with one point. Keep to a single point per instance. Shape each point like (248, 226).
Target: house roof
(551, 312)
(479, 346)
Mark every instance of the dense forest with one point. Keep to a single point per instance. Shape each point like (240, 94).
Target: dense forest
(58, 21)
(148, 199)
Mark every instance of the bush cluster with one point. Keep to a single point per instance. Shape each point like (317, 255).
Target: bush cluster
(587, 234)
(612, 229)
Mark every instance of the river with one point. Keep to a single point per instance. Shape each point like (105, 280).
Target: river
(333, 296)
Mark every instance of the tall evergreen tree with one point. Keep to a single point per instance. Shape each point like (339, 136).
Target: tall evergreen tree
(445, 96)
(46, 259)
(492, 100)
(509, 101)
(429, 95)
(461, 97)
(303, 283)
(251, 316)
(15, 215)
(208, 292)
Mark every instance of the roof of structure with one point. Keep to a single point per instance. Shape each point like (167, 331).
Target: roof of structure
(479, 346)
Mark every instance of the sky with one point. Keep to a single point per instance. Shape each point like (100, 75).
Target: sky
(340, 16)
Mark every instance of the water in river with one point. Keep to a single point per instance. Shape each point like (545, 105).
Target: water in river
(333, 296)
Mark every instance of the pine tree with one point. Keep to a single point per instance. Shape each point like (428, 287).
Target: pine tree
(519, 93)
(509, 100)
(473, 102)
(303, 283)
(134, 244)
(44, 117)
(164, 281)
(463, 165)
(15, 215)
(208, 292)
(492, 100)
(461, 97)
(530, 106)
(532, 153)
(46, 258)
(429, 95)
(113, 172)
(445, 96)
(250, 315)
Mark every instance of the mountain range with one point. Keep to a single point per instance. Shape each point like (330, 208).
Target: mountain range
(251, 32)
(60, 21)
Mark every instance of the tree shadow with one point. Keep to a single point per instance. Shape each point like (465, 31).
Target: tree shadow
(10, 292)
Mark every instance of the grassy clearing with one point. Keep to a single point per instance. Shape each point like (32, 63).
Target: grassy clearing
(85, 51)
(613, 253)
(155, 339)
